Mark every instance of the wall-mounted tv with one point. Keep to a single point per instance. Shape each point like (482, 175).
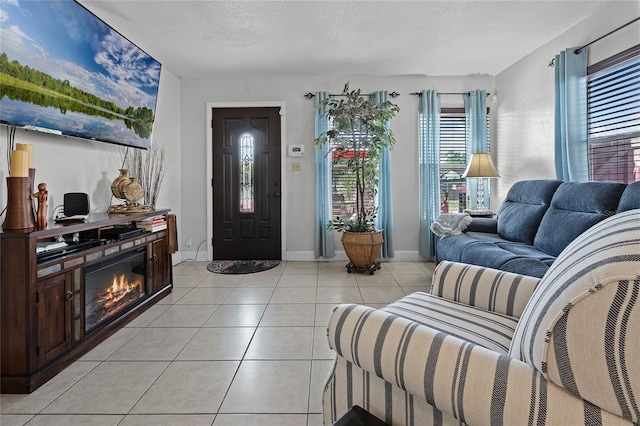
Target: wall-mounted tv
(64, 71)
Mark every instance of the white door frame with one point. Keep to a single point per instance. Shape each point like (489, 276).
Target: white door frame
(283, 181)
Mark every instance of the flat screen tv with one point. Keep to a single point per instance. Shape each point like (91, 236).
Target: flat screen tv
(64, 71)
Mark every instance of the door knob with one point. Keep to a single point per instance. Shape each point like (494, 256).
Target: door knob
(276, 194)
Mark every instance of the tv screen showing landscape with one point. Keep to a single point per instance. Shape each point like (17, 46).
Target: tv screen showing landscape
(64, 71)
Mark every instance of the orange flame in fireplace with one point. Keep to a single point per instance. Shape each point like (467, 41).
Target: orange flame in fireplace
(120, 287)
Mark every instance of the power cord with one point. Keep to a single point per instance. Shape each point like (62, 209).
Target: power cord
(11, 142)
(55, 214)
(197, 250)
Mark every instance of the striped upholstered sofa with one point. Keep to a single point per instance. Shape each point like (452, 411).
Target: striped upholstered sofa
(492, 347)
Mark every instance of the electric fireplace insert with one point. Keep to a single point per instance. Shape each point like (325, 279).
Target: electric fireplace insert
(113, 286)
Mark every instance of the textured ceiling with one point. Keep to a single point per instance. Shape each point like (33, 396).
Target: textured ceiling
(199, 39)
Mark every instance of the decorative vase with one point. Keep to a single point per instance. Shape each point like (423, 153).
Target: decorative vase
(19, 215)
(132, 191)
(119, 183)
(362, 248)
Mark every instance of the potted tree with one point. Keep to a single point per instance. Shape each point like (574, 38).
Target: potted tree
(358, 136)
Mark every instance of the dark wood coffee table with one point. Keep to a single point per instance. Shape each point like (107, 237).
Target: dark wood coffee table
(358, 416)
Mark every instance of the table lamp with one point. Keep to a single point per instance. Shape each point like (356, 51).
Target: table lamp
(481, 166)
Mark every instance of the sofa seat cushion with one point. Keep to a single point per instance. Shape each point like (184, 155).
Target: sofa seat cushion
(451, 248)
(520, 249)
(485, 328)
(527, 266)
(507, 256)
(486, 236)
(486, 253)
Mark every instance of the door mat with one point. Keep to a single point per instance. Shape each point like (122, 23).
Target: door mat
(241, 266)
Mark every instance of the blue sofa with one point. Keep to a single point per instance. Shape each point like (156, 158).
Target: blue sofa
(536, 221)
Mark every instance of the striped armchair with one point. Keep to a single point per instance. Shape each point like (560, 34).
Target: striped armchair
(490, 347)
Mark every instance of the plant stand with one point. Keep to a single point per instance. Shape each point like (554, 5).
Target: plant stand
(370, 269)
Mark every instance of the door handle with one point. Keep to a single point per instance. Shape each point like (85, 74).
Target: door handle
(276, 194)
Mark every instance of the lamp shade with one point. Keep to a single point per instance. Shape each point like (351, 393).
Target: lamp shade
(481, 166)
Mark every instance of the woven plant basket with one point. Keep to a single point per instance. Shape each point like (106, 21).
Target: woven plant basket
(362, 248)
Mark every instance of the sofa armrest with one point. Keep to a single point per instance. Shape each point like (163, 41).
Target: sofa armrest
(470, 382)
(483, 224)
(485, 288)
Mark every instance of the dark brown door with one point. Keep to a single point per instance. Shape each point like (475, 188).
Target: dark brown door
(246, 183)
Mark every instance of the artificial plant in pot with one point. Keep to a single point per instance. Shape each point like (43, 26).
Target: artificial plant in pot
(358, 136)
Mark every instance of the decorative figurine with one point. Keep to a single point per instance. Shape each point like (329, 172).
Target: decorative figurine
(42, 195)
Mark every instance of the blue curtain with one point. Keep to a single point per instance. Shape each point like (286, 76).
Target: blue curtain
(571, 115)
(475, 109)
(324, 245)
(384, 220)
(429, 162)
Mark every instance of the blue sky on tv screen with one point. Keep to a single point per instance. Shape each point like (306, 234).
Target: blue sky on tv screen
(64, 40)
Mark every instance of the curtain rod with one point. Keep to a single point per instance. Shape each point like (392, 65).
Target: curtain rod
(444, 93)
(552, 63)
(310, 95)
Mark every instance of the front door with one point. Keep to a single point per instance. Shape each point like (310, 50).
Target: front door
(246, 183)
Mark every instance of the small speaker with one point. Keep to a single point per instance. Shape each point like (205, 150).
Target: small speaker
(76, 203)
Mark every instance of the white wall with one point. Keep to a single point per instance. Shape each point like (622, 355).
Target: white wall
(524, 114)
(195, 93)
(77, 165)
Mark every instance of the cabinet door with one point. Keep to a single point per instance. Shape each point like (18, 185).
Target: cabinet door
(55, 302)
(160, 264)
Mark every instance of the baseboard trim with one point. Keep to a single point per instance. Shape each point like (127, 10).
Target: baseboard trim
(304, 256)
(308, 256)
(191, 255)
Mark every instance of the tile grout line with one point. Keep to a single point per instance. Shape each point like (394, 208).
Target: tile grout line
(242, 359)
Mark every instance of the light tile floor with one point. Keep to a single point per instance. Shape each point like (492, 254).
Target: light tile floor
(220, 350)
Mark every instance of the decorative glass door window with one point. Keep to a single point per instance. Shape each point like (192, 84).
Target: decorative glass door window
(247, 175)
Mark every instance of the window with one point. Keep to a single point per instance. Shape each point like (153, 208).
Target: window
(613, 117)
(453, 159)
(247, 177)
(344, 185)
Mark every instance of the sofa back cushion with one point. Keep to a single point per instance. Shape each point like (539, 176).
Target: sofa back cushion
(576, 207)
(523, 208)
(580, 326)
(630, 197)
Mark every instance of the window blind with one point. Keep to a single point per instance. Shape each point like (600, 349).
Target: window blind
(614, 101)
(613, 117)
(453, 159)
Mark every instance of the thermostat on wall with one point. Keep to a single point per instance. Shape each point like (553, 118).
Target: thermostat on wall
(296, 150)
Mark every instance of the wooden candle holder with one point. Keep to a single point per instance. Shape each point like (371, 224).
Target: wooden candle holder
(19, 215)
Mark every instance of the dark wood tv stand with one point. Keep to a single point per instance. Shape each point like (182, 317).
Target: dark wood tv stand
(42, 305)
